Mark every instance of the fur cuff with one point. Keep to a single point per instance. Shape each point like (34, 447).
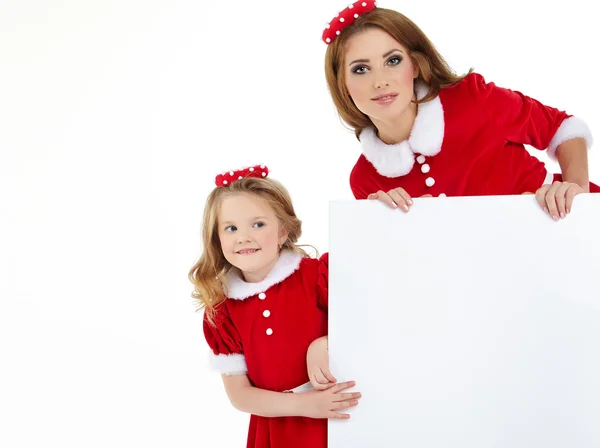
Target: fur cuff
(234, 364)
(571, 127)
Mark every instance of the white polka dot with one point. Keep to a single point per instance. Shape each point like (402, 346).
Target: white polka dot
(266, 313)
(430, 181)
(342, 19)
(264, 174)
(364, 3)
(262, 296)
(328, 40)
(231, 173)
(337, 32)
(356, 16)
(425, 168)
(224, 182)
(251, 169)
(442, 195)
(269, 331)
(240, 177)
(262, 166)
(421, 159)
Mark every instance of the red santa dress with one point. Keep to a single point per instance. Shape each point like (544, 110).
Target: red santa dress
(468, 141)
(263, 330)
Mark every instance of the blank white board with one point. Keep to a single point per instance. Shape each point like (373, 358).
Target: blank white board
(467, 322)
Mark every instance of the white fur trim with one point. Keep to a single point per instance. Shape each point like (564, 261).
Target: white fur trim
(426, 137)
(285, 266)
(427, 134)
(571, 127)
(234, 364)
(389, 160)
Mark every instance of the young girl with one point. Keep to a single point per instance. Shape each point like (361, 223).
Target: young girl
(264, 302)
(425, 131)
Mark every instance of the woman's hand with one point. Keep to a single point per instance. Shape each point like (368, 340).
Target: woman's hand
(317, 363)
(328, 403)
(396, 198)
(557, 199)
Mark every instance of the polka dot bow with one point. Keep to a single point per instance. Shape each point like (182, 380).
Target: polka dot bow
(346, 18)
(227, 178)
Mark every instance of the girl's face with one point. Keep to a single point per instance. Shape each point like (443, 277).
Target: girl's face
(379, 75)
(250, 234)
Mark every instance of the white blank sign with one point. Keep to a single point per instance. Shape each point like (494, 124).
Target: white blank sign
(467, 322)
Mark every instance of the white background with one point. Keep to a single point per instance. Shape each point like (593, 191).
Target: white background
(115, 117)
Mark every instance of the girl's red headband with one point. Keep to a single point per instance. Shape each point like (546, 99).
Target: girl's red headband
(222, 180)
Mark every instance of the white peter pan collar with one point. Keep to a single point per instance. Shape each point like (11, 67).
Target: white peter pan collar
(287, 263)
(425, 138)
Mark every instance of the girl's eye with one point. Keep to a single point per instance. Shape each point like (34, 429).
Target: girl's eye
(258, 225)
(359, 70)
(230, 229)
(394, 60)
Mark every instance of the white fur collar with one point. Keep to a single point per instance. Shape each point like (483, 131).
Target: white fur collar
(285, 266)
(425, 138)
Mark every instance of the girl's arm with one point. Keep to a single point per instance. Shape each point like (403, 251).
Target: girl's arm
(315, 404)
(317, 363)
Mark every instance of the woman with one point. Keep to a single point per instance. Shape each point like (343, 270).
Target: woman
(425, 131)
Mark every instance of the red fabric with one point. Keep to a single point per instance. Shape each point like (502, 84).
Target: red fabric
(223, 337)
(485, 128)
(323, 283)
(277, 362)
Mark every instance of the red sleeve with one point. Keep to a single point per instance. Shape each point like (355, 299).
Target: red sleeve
(323, 282)
(225, 342)
(521, 119)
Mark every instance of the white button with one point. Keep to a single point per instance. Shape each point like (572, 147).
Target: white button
(421, 159)
(425, 168)
(262, 296)
(269, 331)
(442, 195)
(429, 181)
(266, 313)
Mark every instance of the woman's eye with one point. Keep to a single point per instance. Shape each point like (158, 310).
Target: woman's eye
(359, 70)
(395, 60)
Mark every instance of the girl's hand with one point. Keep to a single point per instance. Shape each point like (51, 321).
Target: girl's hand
(557, 199)
(328, 403)
(317, 363)
(396, 198)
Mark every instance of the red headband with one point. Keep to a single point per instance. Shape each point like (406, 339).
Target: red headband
(346, 18)
(222, 180)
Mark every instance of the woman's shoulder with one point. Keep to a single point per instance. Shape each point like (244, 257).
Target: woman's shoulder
(473, 85)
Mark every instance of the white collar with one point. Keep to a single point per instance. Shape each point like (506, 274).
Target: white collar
(287, 263)
(425, 138)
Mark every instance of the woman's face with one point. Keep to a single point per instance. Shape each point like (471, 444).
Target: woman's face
(379, 75)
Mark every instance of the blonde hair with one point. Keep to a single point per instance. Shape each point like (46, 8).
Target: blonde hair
(433, 69)
(208, 274)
